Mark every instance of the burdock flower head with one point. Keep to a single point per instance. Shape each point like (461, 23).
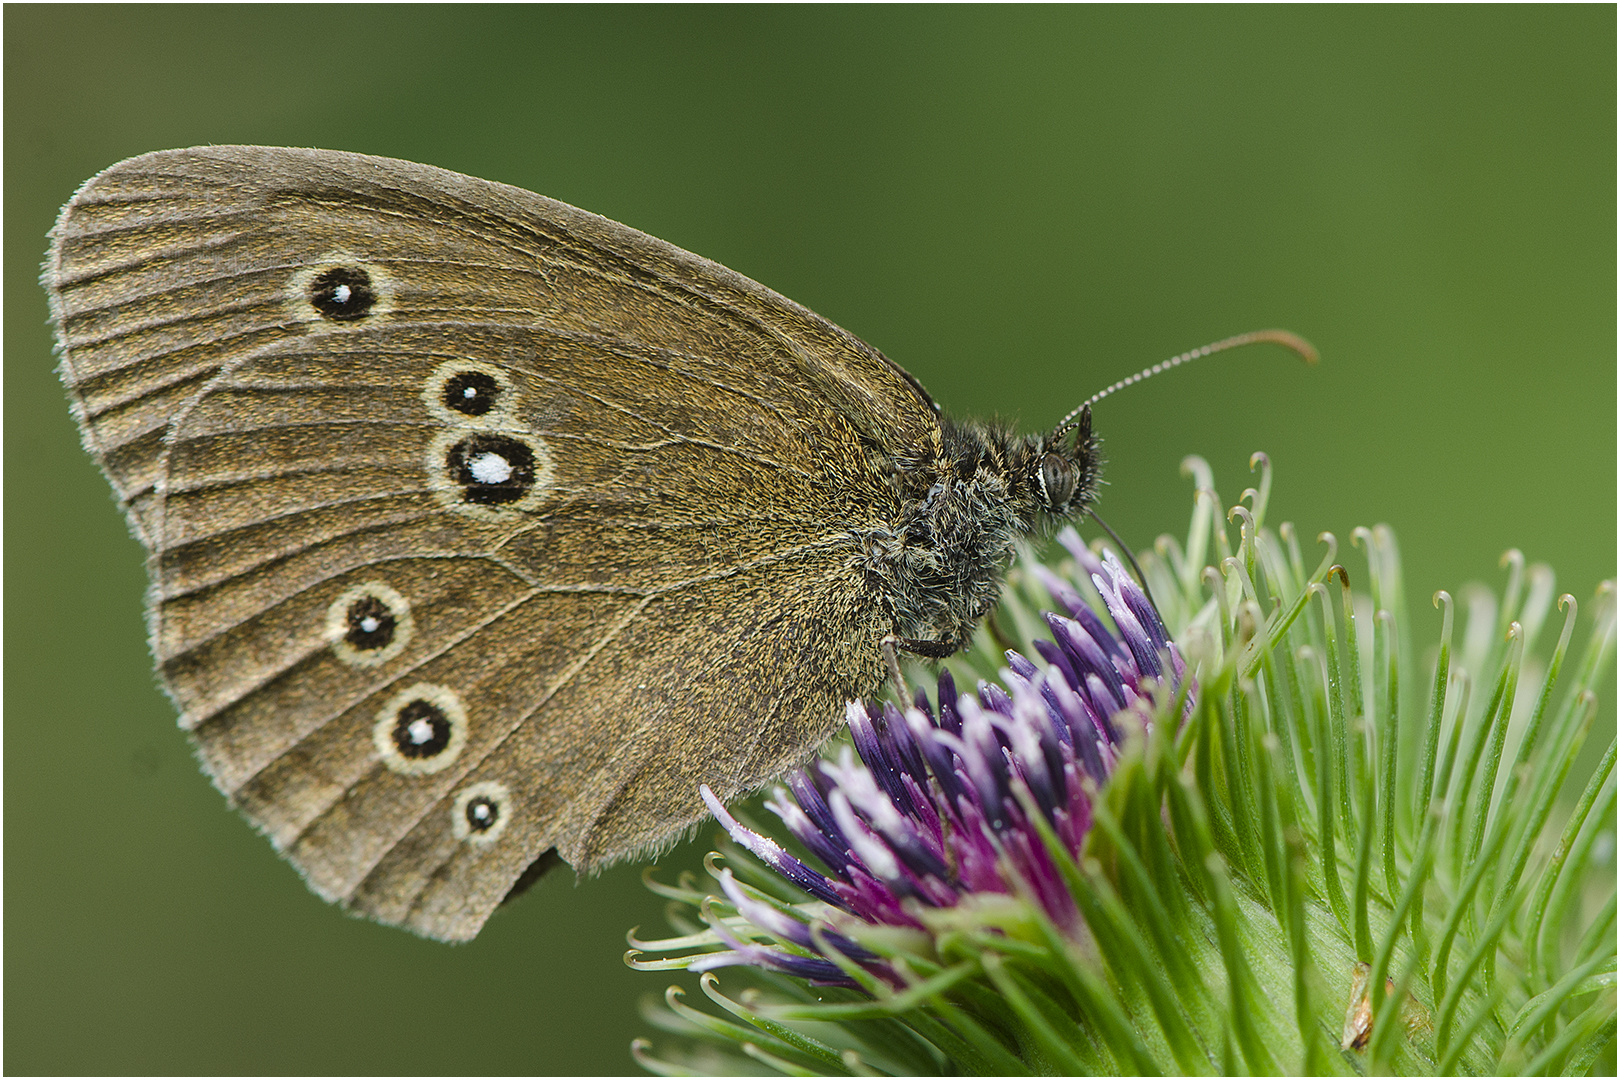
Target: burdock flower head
(1329, 852)
(942, 803)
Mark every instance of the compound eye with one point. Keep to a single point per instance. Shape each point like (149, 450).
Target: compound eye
(1058, 481)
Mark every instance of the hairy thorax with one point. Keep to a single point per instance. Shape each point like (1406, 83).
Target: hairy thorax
(938, 566)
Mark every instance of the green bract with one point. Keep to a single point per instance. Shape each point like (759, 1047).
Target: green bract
(1355, 855)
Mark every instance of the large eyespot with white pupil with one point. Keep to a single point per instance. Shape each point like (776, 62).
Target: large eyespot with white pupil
(489, 474)
(369, 625)
(341, 291)
(421, 730)
(470, 393)
(481, 812)
(492, 469)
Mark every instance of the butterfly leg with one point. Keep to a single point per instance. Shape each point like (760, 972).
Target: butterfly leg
(892, 645)
(891, 657)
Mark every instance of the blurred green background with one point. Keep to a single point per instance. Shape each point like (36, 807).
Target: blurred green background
(1019, 205)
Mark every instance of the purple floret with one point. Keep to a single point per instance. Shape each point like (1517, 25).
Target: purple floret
(926, 810)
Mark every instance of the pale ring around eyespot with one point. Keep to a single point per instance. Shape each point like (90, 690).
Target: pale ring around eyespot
(383, 285)
(480, 812)
(350, 646)
(436, 394)
(421, 730)
(487, 468)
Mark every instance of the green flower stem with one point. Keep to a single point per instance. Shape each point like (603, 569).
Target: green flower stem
(1109, 918)
(1535, 921)
(1235, 741)
(804, 1044)
(1386, 1039)
(1562, 759)
(1484, 946)
(1491, 720)
(640, 1049)
(1579, 856)
(1439, 977)
(1222, 832)
(1336, 709)
(1299, 956)
(1532, 730)
(1486, 1011)
(1459, 715)
(1582, 690)
(1540, 1008)
(885, 1006)
(1329, 758)
(1356, 712)
(1482, 815)
(1246, 997)
(1437, 706)
(1386, 948)
(783, 1066)
(1589, 1032)
(1433, 818)
(1055, 1046)
(1149, 969)
(1283, 724)
(1513, 562)
(725, 1029)
(1270, 823)
(960, 1036)
(1171, 913)
(1385, 645)
(1600, 648)
(1598, 933)
(1363, 880)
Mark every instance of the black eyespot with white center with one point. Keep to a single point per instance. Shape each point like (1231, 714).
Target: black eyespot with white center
(421, 730)
(491, 469)
(471, 393)
(343, 293)
(481, 811)
(371, 625)
(368, 625)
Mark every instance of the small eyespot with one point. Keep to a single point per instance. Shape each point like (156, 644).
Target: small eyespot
(338, 289)
(470, 393)
(369, 625)
(343, 294)
(421, 730)
(481, 811)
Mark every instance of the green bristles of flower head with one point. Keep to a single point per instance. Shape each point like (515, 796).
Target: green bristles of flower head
(1295, 828)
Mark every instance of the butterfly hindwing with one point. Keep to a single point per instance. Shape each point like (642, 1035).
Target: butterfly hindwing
(479, 526)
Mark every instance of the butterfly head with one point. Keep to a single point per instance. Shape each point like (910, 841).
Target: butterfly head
(1065, 469)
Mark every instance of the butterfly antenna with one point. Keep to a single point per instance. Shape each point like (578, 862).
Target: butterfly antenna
(1284, 338)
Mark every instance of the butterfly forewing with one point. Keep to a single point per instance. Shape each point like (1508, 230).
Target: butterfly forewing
(479, 526)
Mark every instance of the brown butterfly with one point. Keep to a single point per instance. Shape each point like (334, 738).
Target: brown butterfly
(483, 530)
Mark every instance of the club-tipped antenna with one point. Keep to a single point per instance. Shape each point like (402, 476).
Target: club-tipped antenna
(1285, 338)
